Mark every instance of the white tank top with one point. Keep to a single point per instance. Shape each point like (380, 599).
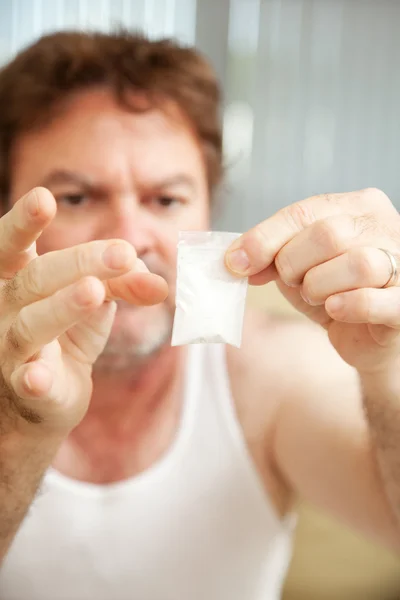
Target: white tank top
(197, 525)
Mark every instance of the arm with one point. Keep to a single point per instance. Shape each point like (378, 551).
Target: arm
(324, 447)
(56, 313)
(24, 460)
(381, 395)
(336, 259)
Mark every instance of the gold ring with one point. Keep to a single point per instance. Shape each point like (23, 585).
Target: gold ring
(394, 275)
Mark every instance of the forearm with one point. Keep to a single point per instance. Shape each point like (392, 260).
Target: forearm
(381, 392)
(23, 462)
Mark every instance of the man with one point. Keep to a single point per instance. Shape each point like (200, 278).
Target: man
(170, 473)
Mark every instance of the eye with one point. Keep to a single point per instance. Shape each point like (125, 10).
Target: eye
(166, 200)
(72, 199)
(163, 201)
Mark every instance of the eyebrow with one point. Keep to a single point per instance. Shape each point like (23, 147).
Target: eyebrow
(63, 176)
(175, 180)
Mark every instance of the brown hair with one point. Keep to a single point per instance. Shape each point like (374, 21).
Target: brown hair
(34, 85)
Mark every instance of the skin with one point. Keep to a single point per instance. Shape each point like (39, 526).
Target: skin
(308, 433)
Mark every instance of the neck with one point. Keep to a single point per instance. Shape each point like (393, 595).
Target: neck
(131, 421)
(126, 402)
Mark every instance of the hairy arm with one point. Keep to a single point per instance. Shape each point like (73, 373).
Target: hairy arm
(381, 395)
(327, 449)
(23, 462)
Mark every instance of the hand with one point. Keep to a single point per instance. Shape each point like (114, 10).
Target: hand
(56, 312)
(325, 253)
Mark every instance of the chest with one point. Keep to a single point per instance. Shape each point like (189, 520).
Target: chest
(199, 533)
(108, 457)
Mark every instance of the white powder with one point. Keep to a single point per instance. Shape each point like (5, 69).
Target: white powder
(210, 302)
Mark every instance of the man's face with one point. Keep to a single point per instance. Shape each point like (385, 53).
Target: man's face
(118, 174)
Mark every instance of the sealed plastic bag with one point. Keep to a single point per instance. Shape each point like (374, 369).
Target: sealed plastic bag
(210, 302)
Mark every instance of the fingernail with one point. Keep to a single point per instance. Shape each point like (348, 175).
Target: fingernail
(302, 294)
(116, 256)
(238, 261)
(335, 303)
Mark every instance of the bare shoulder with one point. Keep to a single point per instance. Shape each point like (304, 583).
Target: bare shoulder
(287, 365)
(287, 355)
(287, 368)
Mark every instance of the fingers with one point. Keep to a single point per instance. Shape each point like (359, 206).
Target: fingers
(367, 305)
(41, 322)
(31, 280)
(317, 314)
(321, 242)
(54, 271)
(361, 267)
(38, 388)
(265, 276)
(256, 249)
(86, 340)
(32, 380)
(20, 228)
(139, 288)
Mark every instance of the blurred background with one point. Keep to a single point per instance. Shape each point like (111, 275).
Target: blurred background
(311, 105)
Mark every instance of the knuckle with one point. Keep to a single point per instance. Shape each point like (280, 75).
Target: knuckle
(82, 258)
(375, 193)
(300, 215)
(363, 304)
(365, 224)
(329, 235)
(258, 245)
(31, 279)
(90, 286)
(261, 240)
(19, 336)
(309, 287)
(374, 198)
(60, 310)
(363, 264)
(330, 198)
(285, 268)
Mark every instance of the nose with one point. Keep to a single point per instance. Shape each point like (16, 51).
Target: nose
(127, 220)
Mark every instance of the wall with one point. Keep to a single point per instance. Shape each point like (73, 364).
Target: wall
(312, 101)
(312, 87)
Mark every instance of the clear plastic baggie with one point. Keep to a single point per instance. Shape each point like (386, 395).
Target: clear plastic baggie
(210, 301)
